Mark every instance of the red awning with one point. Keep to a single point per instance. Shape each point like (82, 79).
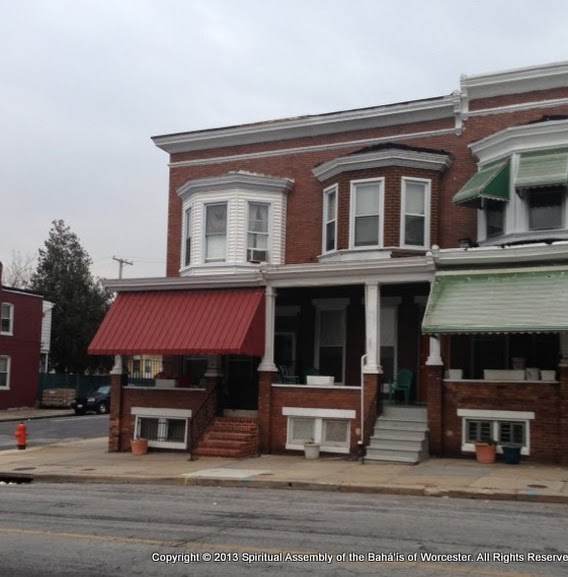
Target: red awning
(201, 322)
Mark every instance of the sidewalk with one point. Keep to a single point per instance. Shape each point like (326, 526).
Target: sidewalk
(89, 461)
(30, 413)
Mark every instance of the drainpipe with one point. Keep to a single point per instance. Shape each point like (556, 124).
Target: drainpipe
(362, 435)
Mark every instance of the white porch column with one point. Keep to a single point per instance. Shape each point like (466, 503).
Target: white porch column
(117, 369)
(435, 356)
(213, 366)
(373, 328)
(267, 362)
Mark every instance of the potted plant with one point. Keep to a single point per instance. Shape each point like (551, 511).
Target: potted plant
(311, 449)
(139, 446)
(485, 451)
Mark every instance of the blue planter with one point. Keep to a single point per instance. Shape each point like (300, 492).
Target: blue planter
(511, 453)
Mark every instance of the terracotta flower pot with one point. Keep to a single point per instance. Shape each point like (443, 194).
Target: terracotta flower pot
(485, 453)
(139, 446)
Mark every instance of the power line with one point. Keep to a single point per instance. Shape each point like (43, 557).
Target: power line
(121, 262)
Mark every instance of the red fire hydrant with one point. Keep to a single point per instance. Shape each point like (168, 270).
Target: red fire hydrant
(21, 435)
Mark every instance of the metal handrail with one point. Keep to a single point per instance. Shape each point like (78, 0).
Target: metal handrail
(201, 419)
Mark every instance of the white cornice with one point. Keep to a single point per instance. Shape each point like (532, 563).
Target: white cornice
(383, 271)
(381, 158)
(241, 280)
(240, 179)
(510, 108)
(360, 143)
(543, 77)
(309, 126)
(548, 135)
(514, 255)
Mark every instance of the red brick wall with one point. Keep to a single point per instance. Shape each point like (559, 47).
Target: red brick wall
(543, 399)
(23, 348)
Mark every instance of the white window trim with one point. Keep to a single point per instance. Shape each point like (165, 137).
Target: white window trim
(353, 185)
(318, 415)
(427, 210)
(10, 331)
(163, 414)
(326, 194)
(495, 416)
(337, 304)
(270, 227)
(206, 205)
(8, 372)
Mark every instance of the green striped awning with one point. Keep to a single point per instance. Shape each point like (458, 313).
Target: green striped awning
(519, 301)
(538, 169)
(490, 182)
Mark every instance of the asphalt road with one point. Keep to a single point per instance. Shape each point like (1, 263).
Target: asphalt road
(54, 430)
(135, 530)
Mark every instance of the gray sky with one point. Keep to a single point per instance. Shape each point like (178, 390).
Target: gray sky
(86, 83)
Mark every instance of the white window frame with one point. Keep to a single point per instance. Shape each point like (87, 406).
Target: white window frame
(10, 317)
(187, 235)
(8, 372)
(352, 218)
(163, 415)
(427, 210)
(206, 207)
(268, 228)
(495, 417)
(337, 304)
(318, 416)
(326, 194)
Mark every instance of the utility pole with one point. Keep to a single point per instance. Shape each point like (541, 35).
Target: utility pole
(121, 262)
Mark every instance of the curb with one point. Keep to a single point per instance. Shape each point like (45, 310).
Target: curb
(12, 419)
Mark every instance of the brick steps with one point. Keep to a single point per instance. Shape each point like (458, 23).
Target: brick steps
(231, 437)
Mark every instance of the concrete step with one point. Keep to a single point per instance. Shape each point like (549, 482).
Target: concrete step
(392, 456)
(397, 445)
(419, 414)
(398, 425)
(398, 434)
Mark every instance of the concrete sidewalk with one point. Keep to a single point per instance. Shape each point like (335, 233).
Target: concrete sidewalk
(89, 461)
(26, 413)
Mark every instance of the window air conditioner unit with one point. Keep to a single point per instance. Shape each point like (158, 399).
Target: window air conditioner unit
(257, 255)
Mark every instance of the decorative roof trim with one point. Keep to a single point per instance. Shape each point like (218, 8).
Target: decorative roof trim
(382, 158)
(309, 126)
(238, 179)
(547, 135)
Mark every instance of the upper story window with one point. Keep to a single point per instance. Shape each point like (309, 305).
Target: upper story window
(415, 212)
(495, 215)
(545, 208)
(188, 229)
(7, 319)
(330, 219)
(258, 236)
(236, 220)
(216, 232)
(366, 209)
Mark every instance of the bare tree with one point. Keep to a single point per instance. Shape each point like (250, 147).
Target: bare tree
(18, 273)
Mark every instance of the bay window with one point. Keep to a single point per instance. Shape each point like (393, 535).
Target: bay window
(215, 232)
(366, 209)
(330, 219)
(257, 236)
(545, 208)
(415, 209)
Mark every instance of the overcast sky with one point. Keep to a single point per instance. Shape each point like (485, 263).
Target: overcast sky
(86, 83)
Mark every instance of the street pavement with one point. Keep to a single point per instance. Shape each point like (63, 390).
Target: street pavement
(89, 461)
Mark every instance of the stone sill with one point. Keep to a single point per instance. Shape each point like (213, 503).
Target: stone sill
(145, 388)
(315, 387)
(500, 381)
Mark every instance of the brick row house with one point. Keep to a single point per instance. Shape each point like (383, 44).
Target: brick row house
(24, 339)
(311, 260)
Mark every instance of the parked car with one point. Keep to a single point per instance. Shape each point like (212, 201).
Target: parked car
(97, 402)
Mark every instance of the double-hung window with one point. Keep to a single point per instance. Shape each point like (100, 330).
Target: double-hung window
(7, 319)
(330, 219)
(188, 232)
(216, 232)
(257, 237)
(495, 217)
(366, 209)
(545, 208)
(415, 212)
(331, 337)
(4, 372)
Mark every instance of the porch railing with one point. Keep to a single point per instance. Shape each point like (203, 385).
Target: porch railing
(371, 417)
(201, 419)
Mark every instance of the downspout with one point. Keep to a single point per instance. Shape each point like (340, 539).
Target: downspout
(362, 435)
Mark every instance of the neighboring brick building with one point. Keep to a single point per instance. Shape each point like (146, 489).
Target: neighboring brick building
(20, 344)
(311, 244)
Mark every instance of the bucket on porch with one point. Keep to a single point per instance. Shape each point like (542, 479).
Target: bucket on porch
(139, 446)
(511, 453)
(311, 450)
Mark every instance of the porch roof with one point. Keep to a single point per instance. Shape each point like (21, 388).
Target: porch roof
(498, 301)
(227, 321)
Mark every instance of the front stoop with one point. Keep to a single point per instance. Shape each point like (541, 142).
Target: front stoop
(233, 437)
(400, 436)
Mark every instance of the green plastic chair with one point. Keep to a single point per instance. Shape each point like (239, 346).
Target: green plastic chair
(286, 376)
(403, 382)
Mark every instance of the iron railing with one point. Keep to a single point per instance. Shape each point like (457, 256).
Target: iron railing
(201, 419)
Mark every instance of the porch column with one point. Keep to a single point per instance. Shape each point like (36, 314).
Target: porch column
(116, 378)
(434, 377)
(372, 328)
(267, 362)
(563, 390)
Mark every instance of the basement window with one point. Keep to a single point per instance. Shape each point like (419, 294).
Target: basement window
(164, 428)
